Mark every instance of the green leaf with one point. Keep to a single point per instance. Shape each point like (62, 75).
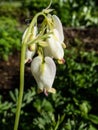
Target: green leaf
(93, 118)
(92, 128)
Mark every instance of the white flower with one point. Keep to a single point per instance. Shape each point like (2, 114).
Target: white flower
(54, 48)
(44, 73)
(30, 52)
(55, 40)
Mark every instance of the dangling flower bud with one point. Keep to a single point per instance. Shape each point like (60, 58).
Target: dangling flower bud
(30, 54)
(44, 73)
(31, 50)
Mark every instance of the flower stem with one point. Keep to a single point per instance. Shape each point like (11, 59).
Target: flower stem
(19, 104)
(33, 22)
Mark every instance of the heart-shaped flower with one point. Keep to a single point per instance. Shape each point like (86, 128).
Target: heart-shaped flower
(44, 73)
(54, 48)
(55, 40)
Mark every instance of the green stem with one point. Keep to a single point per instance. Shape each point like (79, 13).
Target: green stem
(57, 125)
(33, 22)
(22, 67)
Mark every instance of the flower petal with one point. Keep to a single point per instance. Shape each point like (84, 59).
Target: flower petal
(29, 55)
(54, 48)
(58, 26)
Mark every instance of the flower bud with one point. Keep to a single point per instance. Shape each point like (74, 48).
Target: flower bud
(31, 50)
(32, 34)
(28, 56)
(44, 73)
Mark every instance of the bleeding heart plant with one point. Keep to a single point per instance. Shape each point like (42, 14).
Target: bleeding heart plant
(47, 42)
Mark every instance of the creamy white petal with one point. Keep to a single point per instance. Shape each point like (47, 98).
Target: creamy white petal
(57, 35)
(54, 48)
(44, 73)
(58, 26)
(29, 54)
(49, 72)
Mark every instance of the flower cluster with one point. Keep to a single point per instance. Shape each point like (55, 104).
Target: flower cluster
(46, 41)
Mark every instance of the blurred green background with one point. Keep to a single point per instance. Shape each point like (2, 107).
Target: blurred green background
(75, 105)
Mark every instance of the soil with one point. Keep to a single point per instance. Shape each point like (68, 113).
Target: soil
(9, 73)
(9, 70)
(88, 37)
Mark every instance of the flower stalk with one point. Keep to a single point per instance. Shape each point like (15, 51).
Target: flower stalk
(19, 103)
